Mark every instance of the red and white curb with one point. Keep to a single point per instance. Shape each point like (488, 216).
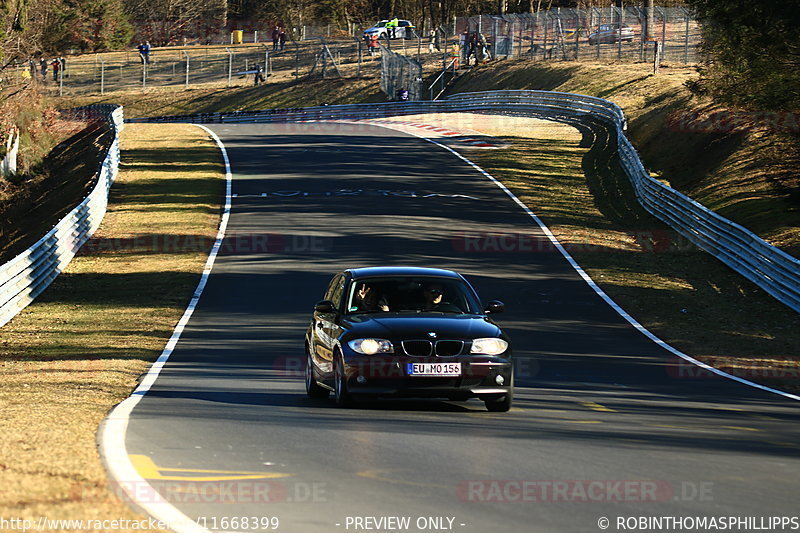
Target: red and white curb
(437, 130)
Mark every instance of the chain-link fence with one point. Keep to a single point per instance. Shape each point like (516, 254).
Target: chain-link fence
(230, 65)
(400, 73)
(610, 33)
(599, 34)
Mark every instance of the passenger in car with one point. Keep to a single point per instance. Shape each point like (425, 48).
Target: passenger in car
(366, 299)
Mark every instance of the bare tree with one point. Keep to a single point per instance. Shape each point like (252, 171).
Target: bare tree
(649, 20)
(166, 21)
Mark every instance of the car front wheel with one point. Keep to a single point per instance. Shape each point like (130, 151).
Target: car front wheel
(313, 390)
(343, 397)
(500, 403)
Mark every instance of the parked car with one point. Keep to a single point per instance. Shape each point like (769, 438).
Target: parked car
(404, 30)
(611, 33)
(403, 331)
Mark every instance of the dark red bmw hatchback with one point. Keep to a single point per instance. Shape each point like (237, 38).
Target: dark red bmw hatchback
(404, 331)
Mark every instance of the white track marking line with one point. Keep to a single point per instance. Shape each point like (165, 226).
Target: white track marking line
(600, 292)
(113, 430)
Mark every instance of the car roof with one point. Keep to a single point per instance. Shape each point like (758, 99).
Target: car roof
(370, 272)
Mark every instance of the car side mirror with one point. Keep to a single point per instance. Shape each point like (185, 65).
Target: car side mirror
(325, 306)
(495, 306)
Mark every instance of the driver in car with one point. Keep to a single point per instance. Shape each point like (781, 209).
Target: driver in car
(434, 296)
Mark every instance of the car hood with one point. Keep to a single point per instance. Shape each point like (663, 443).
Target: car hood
(419, 325)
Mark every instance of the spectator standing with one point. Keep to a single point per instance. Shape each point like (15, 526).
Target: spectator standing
(63, 61)
(455, 54)
(432, 41)
(43, 68)
(463, 39)
(391, 28)
(472, 47)
(282, 39)
(144, 52)
(56, 64)
(373, 43)
(276, 35)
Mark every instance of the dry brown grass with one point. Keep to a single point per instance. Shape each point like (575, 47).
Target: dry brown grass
(78, 350)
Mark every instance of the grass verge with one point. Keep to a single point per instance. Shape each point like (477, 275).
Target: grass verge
(213, 97)
(78, 350)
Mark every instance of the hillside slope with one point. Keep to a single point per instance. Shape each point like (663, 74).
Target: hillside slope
(742, 165)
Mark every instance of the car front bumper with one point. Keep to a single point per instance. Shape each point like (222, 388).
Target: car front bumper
(389, 376)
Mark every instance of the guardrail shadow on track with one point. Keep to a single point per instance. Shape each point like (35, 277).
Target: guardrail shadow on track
(770, 268)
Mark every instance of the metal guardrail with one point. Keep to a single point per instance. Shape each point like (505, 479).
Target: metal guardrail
(23, 278)
(775, 271)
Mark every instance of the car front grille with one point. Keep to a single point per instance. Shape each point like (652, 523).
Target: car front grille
(418, 348)
(449, 348)
(423, 348)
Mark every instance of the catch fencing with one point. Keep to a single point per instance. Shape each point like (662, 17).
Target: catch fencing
(23, 278)
(571, 34)
(399, 72)
(187, 67)
(770, 268)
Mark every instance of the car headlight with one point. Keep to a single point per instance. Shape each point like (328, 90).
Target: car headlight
(490, 346)
(371, 346)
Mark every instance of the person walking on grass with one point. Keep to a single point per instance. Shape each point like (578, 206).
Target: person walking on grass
(259, 75)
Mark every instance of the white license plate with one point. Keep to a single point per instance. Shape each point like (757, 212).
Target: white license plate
(434, 369)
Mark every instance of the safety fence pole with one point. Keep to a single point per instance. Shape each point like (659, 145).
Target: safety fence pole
(186, 54)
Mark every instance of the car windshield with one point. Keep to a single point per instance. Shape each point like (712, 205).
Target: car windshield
(411, 294)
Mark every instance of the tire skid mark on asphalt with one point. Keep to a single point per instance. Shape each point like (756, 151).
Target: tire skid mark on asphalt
(378, 475)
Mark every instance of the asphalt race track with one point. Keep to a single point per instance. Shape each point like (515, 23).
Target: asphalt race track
(605, 422)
